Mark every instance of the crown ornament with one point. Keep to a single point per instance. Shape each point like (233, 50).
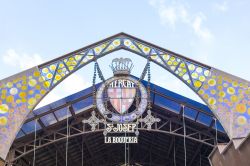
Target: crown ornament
(121, 66)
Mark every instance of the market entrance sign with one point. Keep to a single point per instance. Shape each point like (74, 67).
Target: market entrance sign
(121, 100)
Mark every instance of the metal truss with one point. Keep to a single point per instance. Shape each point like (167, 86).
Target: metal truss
(166, 126)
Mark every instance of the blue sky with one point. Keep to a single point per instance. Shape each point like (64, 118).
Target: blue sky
(216, 33)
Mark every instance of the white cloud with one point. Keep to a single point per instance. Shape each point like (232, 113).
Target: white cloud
(222, 7)
(22, 61)
(173, 12)
(175, 85)
(51, 97)
(74, 83)
(168, 15)
(202, 32)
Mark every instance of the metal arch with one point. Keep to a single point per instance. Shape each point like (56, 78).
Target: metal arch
(50, 74)
(88, 54)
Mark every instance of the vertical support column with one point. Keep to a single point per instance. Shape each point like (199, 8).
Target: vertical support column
(19, 94)
(10, 157)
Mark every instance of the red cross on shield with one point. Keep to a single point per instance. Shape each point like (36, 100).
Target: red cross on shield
(121, 98)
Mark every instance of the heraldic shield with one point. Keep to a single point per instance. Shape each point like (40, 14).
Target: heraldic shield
(121, 98)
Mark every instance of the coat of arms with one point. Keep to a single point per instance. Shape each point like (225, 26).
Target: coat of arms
(121, 91)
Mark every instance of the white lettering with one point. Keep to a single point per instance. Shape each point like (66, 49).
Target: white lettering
(122, 83)
(118, 140)
(121, 128)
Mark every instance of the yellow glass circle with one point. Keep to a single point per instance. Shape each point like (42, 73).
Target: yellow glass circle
(165, 57)
(211, 101)
(241, 120)
(206, 73)
(205, 86)
(197, 84)
(234, 98)
(22, 94)
(52, 67)
(127, 43)
(230, 90)
(201, 92)
(3, 121)
(172, 58)
(46, 83)
(71, 68)
(211, 82)
(146, 49)
(38, 96)
(9, 99)
(222, 94)
(24, 87)
(116, 42)
(202, 78)
(32, 82)
(38, 87)
(9, 84)
(175, 63)
(43, 91)
(220, 87)
(58, 77)
(97, 49)
(111, 47)
(45, 70)
(194, 75)
(235, 83)
(4, 108)
(61, 65)
(32, 101)
(49, 75)
(18, 101)
(182, 65)
(241, 108)
(36, 74)
(191, 67)
(213, 91)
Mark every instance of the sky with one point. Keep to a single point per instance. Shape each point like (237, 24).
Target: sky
(215, 32)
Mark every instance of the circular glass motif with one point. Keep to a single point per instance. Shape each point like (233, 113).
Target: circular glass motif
(116, 99)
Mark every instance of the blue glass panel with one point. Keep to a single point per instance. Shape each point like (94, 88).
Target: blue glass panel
(62, 113)
(182, 99)
(190, 113)
(57, 103)
(30, 127)
(204, 119)
(166, 103)
(42, 110)
(20, 134)
(48, 119)
(79, 106)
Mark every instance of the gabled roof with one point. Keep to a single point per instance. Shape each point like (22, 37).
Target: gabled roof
(82, 100)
